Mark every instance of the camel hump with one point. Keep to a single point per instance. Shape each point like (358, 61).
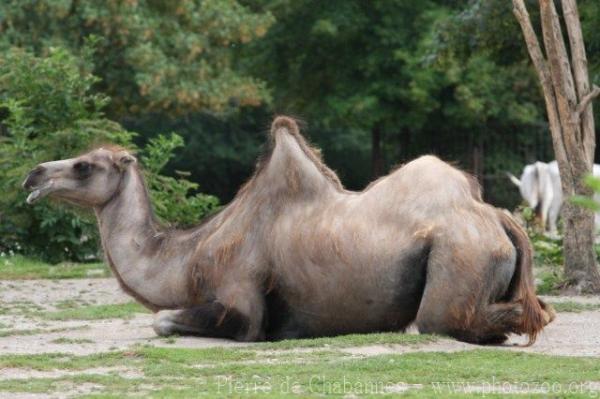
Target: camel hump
(283, 124)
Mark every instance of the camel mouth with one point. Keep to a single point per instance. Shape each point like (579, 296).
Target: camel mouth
(39, 192)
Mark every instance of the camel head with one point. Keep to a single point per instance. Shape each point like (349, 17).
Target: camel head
(89, 180)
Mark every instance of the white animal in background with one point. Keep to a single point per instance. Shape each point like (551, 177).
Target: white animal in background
(540, 188)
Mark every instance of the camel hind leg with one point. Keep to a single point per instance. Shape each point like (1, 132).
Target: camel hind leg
(483, 324)
(462, 293)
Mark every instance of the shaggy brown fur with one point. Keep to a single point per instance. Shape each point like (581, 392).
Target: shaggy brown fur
(296, 255)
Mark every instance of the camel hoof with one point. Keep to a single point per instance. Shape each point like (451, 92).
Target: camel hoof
(163, 325)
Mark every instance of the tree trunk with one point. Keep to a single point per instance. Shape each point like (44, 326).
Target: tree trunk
(580, 263)
(565, 85)
(377, 167)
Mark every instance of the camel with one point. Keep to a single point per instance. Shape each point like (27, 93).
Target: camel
(296, 255)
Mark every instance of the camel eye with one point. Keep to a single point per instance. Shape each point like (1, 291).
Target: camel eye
(83, 169)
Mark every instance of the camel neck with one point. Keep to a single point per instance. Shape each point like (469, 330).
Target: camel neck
(129, 210)
(135, 247)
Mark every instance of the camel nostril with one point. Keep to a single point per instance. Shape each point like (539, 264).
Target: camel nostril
(30, 180)
(37, 170)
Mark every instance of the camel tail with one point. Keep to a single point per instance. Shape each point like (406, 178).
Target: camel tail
(536, 314)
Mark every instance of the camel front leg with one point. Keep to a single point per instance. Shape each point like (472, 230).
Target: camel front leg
(240, 320)
(208, 320)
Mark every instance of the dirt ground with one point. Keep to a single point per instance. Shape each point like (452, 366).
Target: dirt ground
(571, 334)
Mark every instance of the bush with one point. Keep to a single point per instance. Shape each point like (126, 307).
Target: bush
(170, 197)
(548, 251)
(49, 111)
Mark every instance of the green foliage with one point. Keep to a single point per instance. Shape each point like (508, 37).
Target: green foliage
(165, 55)
(330, 82)
(592, 182)
(548, 251)
(550, 282)
(220, 154)
(50, 112)
(170, 196)
(548, 257)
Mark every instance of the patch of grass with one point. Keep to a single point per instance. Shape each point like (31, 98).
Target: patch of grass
(62, 361)
(24, 308)
(69, 304)
(96, 312)
(30, 385)
(574, 307)
(9, 333)
(64, 386)
(235, 372)
(35, 331)
(31, 331)
(21, 268)
(65, 340)
(351, 340)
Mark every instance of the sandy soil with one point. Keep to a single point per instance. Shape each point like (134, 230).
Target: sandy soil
(571, 334)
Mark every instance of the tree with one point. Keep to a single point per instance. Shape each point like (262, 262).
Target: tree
(170, 56)
(567, 94)
(349, 68)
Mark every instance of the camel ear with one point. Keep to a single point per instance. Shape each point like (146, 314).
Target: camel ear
(124, 159)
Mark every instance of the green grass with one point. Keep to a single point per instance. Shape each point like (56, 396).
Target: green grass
(20, 268)
(235, 372)
(20, 307)
(95, 312)
(32, 331)
(350, 340)
(574, 307)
